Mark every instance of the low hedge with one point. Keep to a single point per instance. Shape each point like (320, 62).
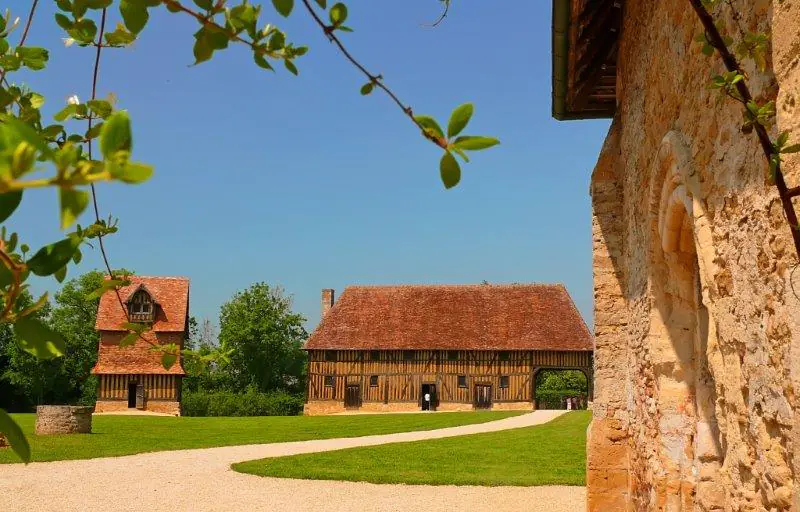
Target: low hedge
(250, 403)
(554, 398)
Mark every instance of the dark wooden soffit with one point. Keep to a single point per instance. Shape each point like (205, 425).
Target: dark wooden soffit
(585, 40)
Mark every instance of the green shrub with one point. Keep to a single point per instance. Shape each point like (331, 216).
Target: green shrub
(554, 398)
(249, 403)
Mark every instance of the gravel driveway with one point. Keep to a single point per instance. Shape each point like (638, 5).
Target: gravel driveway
(202, 480)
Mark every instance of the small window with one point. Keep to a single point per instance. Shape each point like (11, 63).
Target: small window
(330, 355)
(140, 307)
(329, 381)
(373, 381)
(452, 355)
(505, 355)
(374, 355)
(462, 381)
(504, 381)
(408, 355)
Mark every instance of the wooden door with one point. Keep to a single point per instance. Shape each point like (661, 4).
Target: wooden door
(483, 396)
(140, 395)
(352, 396)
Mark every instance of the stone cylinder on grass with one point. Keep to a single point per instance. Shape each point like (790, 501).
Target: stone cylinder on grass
(63, 419)
(3, 441)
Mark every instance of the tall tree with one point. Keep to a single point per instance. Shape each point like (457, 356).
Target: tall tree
(265, 340)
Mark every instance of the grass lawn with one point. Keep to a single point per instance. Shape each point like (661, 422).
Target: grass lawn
(549, 454)
(125, 435)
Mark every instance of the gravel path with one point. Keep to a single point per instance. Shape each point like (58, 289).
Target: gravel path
(202, 480)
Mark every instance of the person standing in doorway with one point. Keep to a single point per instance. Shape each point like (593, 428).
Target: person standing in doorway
(427, 399)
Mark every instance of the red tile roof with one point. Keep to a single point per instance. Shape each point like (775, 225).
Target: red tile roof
(170, 293)
(457, 317)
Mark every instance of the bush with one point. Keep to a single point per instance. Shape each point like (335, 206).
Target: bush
(554, 398)
(249, 403)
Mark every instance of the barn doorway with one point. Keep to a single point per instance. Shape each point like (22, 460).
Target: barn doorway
(428, 390)
(483, 396)
(131, 395)
(352, 396)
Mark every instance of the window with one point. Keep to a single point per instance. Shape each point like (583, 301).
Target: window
(452, 355)
(330, 355)
(462, 381)
(504, 381)
(373, 381)
(329, 381)
(140, 307)
(374, 355)
(408, 355)
(505, 355)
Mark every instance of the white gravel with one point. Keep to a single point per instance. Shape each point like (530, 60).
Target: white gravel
(201, 480)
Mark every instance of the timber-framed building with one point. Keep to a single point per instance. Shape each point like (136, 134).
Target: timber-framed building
(384, 348)
(133, 377)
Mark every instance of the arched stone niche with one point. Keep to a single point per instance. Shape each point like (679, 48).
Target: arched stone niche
(680, 337)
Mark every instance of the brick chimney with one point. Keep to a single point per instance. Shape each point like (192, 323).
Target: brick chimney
(327, 300)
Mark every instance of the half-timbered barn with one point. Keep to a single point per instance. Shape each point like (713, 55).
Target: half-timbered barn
(133, 377)
(388, 348)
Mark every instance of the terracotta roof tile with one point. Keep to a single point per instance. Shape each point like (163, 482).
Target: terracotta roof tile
(170, 293)
(464, 317)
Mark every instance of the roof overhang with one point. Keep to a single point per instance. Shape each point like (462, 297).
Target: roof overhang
(585, 42)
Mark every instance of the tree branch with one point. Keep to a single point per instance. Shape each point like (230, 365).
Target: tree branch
(716, 40)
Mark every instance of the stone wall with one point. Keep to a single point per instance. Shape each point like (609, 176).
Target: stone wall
(322, 407)
(63, 419)
(163, 406)
(698, 342)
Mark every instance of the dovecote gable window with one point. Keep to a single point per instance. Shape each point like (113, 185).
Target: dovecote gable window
(141, 307)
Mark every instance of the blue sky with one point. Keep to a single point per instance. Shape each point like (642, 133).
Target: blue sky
(302, 182)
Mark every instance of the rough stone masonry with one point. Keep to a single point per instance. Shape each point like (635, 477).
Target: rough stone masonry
(696, 312)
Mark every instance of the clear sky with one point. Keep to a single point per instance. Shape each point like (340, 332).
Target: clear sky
(302, 182)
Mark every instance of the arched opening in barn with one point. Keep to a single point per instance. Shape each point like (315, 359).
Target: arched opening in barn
(561, 389)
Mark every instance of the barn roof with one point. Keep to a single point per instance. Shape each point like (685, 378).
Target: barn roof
(585, 44)
(453, 317)
(170, 293)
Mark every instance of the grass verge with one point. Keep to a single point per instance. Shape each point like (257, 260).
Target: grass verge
(550, 454)
(125, 435)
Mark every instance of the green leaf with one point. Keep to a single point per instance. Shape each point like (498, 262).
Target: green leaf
(36, 338)
(367, 88)
(460, 153)
(475, 143)
(430, 125)
(284, 7)
(206, 5)
(202, 49)
(129, 339)
(32, 57)
(106, 285)
(15, 437)
(338, 14)
(168, 359)
(344, 28)
(262, 61)
(64, 5)
(5, 276)
(450, 170)
(794, 148)
(73, 202)
(121, 36)
(459, 119)
(135, 327)
(783, 138)
(8, 204)
(134, 15)
(83, 31)
(94, 131)
(66, 112)
(134, 172)
(50, 258)
(61, 274)
(52, 131)
(76, 258)
(101, 108)
(290, 66)
(28, 134)
(116, 134)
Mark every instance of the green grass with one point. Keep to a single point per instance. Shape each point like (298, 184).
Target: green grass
(549, 454)
(125, 435)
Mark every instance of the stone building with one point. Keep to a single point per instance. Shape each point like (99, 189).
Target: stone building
(133, 377)
(696, 315)
(384, 348)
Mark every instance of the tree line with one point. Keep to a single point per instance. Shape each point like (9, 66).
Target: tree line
(258, 331)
